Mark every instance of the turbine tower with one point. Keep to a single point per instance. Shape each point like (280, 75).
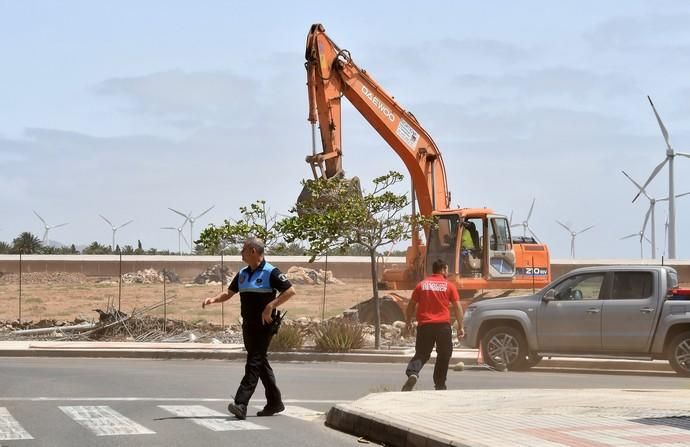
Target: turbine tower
(191, 220)
(670, 155)
(47, 227)
(180, 236)
(651, 211)
(572, 236)
(115, 228)
(525, 224)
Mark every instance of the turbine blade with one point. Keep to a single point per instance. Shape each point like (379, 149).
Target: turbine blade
(109, 222)
(510, 220)
(178, 212)
(588, 228)
(629, 236)
(533, 233)
(168, 228)
(681, 195)
(530, 210)
(204, 212)
(661, 124)
(125, 224)
(654, 173)
(66, 223)
(44, 222)
(646, 218)
(683, 154)
(564, 226)
(640, 188)
(185, 240)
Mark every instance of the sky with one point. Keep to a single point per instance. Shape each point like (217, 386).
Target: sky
(127, 108)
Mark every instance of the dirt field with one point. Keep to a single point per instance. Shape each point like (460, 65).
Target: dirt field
(66, 297)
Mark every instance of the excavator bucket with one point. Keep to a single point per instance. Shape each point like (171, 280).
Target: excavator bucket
(306, 202)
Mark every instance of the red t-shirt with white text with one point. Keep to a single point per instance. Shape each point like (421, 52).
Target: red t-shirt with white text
(433, 296)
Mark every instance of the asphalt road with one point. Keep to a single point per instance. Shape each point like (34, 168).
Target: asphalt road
(78, 402)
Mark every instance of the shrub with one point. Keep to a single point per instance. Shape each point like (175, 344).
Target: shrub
(338, 336)
(288, 337)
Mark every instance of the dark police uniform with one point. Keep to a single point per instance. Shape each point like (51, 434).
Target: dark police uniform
(257, 288)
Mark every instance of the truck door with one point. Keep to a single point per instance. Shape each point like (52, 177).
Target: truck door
(571, 322)
(501, 255)
(629, 313)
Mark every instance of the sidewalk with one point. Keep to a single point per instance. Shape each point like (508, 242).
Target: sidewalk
(221, 351)
(519, 418)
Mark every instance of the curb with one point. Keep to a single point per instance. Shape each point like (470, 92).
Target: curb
(356, 423)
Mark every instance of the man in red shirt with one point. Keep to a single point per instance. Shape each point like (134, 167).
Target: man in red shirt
(431, 300)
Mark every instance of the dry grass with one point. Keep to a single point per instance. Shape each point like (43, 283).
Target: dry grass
(67, 301)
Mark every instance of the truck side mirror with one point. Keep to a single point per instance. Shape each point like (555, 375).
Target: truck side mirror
(549, 296)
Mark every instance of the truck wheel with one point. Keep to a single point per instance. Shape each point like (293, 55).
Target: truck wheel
(679, 354)
(505, 347)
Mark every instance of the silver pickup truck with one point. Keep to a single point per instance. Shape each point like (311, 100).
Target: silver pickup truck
(611, 311)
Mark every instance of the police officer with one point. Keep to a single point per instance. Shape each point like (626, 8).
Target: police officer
(257, 284)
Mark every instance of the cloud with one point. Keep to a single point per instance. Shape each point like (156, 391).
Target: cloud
(189, 99)
(634, 33)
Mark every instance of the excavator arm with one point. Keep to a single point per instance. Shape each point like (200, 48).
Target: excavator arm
(331, 74)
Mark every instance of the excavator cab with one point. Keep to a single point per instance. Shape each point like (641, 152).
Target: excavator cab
(473, 246)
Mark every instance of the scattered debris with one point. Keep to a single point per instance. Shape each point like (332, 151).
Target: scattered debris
(303, 275)
(214, 275)
(44, 278)
(150, 276)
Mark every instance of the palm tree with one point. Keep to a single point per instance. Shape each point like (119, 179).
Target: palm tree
(5, 248)
(26, 243)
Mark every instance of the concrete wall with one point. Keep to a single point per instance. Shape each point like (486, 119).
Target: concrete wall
(187, 267)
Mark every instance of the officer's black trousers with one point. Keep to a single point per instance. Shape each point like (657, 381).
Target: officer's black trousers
(428, 335)
(256, 341)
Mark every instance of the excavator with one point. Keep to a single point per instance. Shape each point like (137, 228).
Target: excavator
(487, 257)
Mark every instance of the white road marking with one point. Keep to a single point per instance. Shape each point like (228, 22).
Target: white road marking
(160, 399)
(211, 419)
(104, 421)
(294, 411)
(10, 429)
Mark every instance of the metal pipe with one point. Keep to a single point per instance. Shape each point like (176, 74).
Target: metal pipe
(48, 330)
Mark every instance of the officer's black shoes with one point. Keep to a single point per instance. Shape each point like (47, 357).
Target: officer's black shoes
(271, 410)
(239, 410)
(440, 387)
(410, 382)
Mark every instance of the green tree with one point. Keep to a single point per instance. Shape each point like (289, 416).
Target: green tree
(5, 248)
(97, 249)
(335, 217)
(255, 221)
(140, 249)
(26, 243)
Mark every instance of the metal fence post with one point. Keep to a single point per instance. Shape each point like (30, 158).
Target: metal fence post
(165, 302)
(323, 305)
(119, 289)
(222, 287)
(20, 286)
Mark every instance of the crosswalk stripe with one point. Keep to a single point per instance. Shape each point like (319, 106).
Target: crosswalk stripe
(104, 421)
(209, 418)
(294, 411)
(10, 429)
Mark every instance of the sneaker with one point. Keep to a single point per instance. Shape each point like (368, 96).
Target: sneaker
(239, 410)
(270, 410)
(410, 382)
(440, 388)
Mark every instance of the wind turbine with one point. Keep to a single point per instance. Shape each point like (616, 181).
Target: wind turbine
(525, 224)
(642, 239)
(180, 236)
(48, 227)
(191, 219)
(572, 236)
(114, 228)
(670, 155)
(651, 210)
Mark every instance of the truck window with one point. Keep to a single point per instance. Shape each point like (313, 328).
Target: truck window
(580, 287)
(632, 285)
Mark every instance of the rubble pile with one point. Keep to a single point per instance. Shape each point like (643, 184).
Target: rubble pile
(213, 275)
(44, 278)
(149, 276)
(303, 275)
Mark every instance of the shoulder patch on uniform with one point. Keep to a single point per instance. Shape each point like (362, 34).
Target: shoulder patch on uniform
(283, 277)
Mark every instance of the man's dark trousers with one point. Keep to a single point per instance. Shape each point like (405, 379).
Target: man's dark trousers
(428, 335)
(256, 341)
